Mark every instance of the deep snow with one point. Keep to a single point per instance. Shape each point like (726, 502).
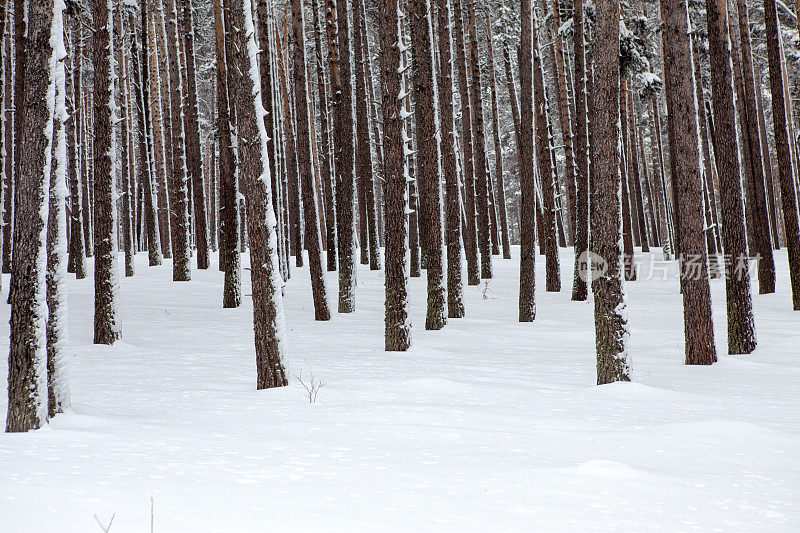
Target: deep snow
(487, 425)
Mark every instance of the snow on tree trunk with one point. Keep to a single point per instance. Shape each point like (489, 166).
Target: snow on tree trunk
(77, 252)
(580, 144)
(27, 360)
(682, 112)
(395, 149)
(268, 318)
(106, 299)
(610, 313)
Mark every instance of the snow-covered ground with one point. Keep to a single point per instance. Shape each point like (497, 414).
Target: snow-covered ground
(487, 425)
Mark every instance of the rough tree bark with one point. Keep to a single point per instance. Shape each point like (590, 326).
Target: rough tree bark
(397, 325)
(579, 285)
(610, 313)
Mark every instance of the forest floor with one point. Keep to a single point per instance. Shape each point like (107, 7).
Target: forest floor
(487, 425)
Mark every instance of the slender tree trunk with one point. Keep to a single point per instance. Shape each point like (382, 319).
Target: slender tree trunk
(8, 163)
(397, 327)
(610, 316)
(20, 58)
(628, 231)
(741, 325)
(106, 285)
(122, 139)
(644, 238)
(525, 147)
(228, 187)
(304, 135)
(455, 284)
(682, 112)
(178, 176)
(145, 142)
(194, 158)
(343, 149)
(552, 268)
(428, 161)
(779, 114)
(268, 319)
(499, 201)
(369, 190)
(325, 147)
(579, 281)
(57, 384)
(77, 258)
(161, 137)
(767, 165)
(471, 231)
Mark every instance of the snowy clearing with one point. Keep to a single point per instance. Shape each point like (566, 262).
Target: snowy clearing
(487, 425)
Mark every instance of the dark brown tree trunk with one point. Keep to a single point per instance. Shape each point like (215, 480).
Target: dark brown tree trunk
(27, 376)
(767, 165)
(428, 161)
(479, 149)
(610, 316)
(255, 172)
(397, 325)
(741, 325)
(525, 147)
(122, 139)
(325, 147)
(762, 244)
(455, 285)
(375, 262)
(106, 299)
(681, 111)
(304, 135)
(8, 163)
(579, 281)
(543, 151)
(193, 155)
(228, 186)
(343, 149)
(145, 142)
(20, 58)
(178, 179)
(471, 230)
(779, 114)
(565, 120)
(628, 231)
(161, 137)
(77, 257)
(644, 239)
(499, 200)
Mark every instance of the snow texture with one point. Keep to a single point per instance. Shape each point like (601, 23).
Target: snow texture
(487, 425)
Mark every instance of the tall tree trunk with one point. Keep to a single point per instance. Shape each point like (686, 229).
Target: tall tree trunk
(525, 147)
(369, 189)
(178, 178)
(304, 136)
(779, 114)
(682, 112)
(767, 165)
(428, 161)
(628, 230)
(499, 200)
(762, 244)
(20, 58)
(145, 141)
(106, 285)
(479, 149)
(57, 384)
(471, 230)
(397, 326)
(566, 126)
(546, 173)
(122, 139)
(194, 158)
(27, 359)
(228, 187)
(644, 239)
(77, 258)
(343, 149)
(8, 163)
(580, 279)
(161, 136)
(325, 147)
(455, 284)
(610, 316)
(268, 319)
(741, 325)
